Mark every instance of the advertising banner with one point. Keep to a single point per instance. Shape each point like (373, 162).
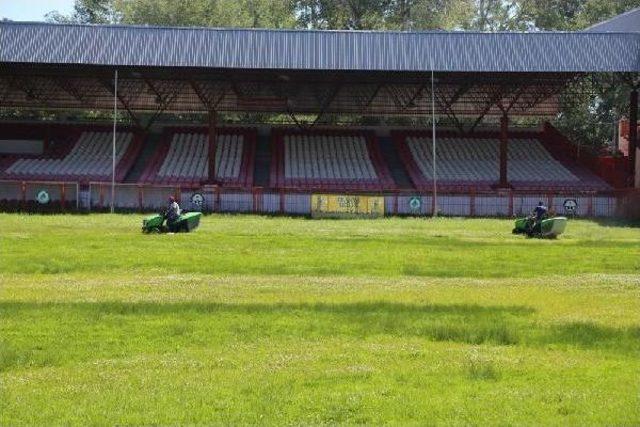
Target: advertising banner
(343, 206)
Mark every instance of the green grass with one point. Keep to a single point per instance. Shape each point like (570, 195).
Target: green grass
(230, 245)
(255, 320)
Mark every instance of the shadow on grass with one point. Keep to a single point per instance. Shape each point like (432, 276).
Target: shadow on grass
(614, 222)
(187, 324)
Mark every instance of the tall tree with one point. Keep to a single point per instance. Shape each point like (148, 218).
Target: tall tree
(342, 14)
(88, 12)
(496, 15)
(213, 13)
(570, 15)
(428, 14)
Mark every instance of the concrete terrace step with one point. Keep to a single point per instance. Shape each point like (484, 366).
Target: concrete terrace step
(396, 167)
(149, 147)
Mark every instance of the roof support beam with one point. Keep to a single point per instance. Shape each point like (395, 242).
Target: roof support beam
(71, 90)
(107, 84)
(165, 102)
(326, 103)
(198, 91)
(30, 91)
(446, 105)
(488, 106)
(372, 97)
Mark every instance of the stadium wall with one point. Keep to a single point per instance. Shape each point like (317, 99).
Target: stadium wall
(96, 197)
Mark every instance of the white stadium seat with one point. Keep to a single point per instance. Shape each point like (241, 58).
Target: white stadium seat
(188, 157)
(327, 157)
(477, 159)
(91, 157)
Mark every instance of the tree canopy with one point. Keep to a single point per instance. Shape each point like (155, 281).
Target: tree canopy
(485, 15)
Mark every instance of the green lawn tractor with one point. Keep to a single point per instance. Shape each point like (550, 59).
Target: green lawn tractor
(549, 228)
(186, 222)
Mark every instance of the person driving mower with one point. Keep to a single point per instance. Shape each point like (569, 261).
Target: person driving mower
(172, 214)
(539, 213)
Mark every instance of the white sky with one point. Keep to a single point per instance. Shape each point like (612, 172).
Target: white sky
(32, 10)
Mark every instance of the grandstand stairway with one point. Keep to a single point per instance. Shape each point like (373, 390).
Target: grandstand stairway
(262, 165)
(396, 167)
(150, 145)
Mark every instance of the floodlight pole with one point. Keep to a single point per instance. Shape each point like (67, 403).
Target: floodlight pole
(113, 148)
(433, 148)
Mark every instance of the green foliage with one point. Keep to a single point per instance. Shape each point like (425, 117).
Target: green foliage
(590, 110)
(588, 114)
(495, 15)
(209, 13)
(89, 12)
(571, 15)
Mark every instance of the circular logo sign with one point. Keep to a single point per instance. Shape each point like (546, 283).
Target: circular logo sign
(197, 199)
(43, 197)
(570, 205)
(415, 203)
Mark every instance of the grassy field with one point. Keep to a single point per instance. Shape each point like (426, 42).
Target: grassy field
(256, 320)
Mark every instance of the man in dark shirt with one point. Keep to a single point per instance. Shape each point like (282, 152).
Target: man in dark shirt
(172, 214)
(539, 213)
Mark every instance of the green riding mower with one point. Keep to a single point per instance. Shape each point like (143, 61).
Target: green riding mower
(185, 223)
(548, 228)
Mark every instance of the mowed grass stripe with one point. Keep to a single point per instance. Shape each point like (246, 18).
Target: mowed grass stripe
(393, 247)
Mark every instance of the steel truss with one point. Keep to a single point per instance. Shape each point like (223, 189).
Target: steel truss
(469, 96)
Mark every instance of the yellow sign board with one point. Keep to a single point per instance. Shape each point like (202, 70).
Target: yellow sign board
(343, 206)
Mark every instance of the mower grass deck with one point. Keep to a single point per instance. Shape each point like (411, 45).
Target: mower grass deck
(186, 223)
(549, 228)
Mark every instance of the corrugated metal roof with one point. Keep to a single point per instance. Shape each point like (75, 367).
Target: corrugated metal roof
(628, 22)
(318, 50)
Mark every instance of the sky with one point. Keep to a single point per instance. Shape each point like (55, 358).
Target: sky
(32, 10)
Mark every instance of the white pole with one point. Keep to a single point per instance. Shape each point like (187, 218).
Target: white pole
(433, 148)
(113, 148)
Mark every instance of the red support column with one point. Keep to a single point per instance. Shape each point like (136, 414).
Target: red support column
(510, 203)
(212, 146)
(257, 199)
(472, 203)
(504, 151)
(282, 202)
(140, 198)
(62, 196)
(633, 137)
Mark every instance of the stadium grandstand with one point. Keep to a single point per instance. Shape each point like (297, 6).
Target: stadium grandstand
(466, 78)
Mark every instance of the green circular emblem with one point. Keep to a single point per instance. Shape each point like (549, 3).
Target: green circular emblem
(415, 203)
(43, 197)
